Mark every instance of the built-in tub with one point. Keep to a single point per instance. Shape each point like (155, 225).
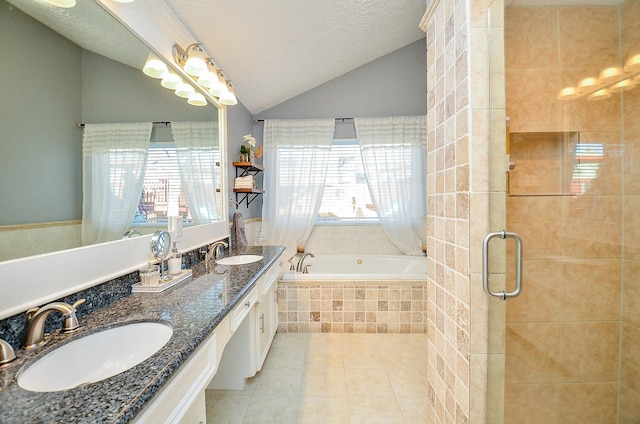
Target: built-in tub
(355, 294)
(374, 268)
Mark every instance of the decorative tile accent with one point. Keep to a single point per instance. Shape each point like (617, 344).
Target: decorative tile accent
(349, 308)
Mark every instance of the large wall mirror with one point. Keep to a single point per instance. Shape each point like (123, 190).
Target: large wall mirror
(62, 67)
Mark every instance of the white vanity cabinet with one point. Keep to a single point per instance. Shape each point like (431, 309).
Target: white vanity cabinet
(252, 326)
(267, 313)
(182, 400)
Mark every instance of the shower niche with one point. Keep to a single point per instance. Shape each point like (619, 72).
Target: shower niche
(553, 164)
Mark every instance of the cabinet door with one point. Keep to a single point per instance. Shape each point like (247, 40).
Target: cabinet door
(266, 325)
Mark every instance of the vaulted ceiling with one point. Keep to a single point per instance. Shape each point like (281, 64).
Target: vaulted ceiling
(274, 50)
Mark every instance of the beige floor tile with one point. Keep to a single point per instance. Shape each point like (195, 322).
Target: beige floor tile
(272, 410)
(414, 409)
(368, 382)
(282, 356)
(228, 409)
(408, 381)
(409, 357)
(281, 381)
(324, 357)
(331, 379)
(323, 382)
(362, 357)
(374, 410)
(323, 410)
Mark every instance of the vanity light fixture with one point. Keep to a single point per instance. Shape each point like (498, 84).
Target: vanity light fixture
(621, 86)
(154, 67)
(568, 93)
(204, 72)
(197, 99)
(228, 98)
(219, 86)
(192, 59)
(587, 84)
(184, 90)
(171, 81)
(207, 79)
(632, 64)
(599, 95)
(610, 75)
(610, 80)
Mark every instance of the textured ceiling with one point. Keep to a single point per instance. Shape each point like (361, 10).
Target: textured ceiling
(91, 27)
(274, 50)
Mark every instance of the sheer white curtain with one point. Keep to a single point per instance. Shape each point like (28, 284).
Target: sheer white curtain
(393, 152)
(114, 158)
(296, 155)
(198, 148)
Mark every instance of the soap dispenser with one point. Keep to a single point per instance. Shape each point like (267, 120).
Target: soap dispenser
(175, 263)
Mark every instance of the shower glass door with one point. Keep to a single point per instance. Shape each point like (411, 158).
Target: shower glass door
(567, 349)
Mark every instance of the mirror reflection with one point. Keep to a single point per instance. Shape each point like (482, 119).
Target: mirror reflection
(70, 66)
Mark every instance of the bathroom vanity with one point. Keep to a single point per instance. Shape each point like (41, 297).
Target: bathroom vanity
(223, 323)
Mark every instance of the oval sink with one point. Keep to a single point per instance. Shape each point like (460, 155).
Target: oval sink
(94, 357)
(238, 259)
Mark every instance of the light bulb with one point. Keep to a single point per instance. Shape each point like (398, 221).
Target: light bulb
(197, 99)
(154, 67)
(184, 90)
(228, 97)
(196, 64)
(171, 81)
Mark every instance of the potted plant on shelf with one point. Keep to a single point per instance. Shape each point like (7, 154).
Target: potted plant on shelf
(246, 152)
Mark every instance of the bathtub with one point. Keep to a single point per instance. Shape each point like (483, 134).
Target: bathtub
(373, 268)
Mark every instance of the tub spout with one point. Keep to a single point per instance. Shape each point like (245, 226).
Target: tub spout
(300, 265)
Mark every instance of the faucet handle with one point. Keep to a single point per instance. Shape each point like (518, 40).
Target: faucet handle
(78, 303)
(7, 353)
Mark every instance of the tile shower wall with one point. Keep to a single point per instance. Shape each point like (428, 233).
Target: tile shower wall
(352, 308)
(459, 151)
(581, 255)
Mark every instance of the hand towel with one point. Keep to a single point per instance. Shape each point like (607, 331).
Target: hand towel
(239, 236)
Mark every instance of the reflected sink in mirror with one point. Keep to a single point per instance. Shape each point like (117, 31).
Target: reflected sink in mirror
(238, 259)
(94, 357)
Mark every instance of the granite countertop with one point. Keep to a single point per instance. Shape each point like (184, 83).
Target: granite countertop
(193, 308)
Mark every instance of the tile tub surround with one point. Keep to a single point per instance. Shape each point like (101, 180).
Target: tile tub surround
(193, 308)
(343, 307)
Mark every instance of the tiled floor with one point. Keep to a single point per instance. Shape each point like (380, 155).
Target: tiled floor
(332, 378)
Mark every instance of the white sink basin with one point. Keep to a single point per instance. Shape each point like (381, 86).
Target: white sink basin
(95, 357)
(238, 259)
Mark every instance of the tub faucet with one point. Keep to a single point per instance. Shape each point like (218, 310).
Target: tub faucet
(300, 266)
(38, 316)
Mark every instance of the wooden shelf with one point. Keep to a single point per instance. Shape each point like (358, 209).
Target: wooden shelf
(247, 194)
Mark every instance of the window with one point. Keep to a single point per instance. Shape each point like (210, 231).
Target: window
(346, 196)
(162, 193)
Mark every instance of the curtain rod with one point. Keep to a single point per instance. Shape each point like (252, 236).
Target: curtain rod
(255, 121)
(81, 124)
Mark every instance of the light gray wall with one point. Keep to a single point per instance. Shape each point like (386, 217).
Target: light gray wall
(40, 146)
(44, 94)
(393, 85)
(240, 123)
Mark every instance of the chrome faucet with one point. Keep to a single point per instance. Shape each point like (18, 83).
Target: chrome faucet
(300, 267)
(6, 353)
(38, 316)
(214, 253)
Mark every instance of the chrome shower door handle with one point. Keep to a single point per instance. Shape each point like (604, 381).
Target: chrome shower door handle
(485, 264)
